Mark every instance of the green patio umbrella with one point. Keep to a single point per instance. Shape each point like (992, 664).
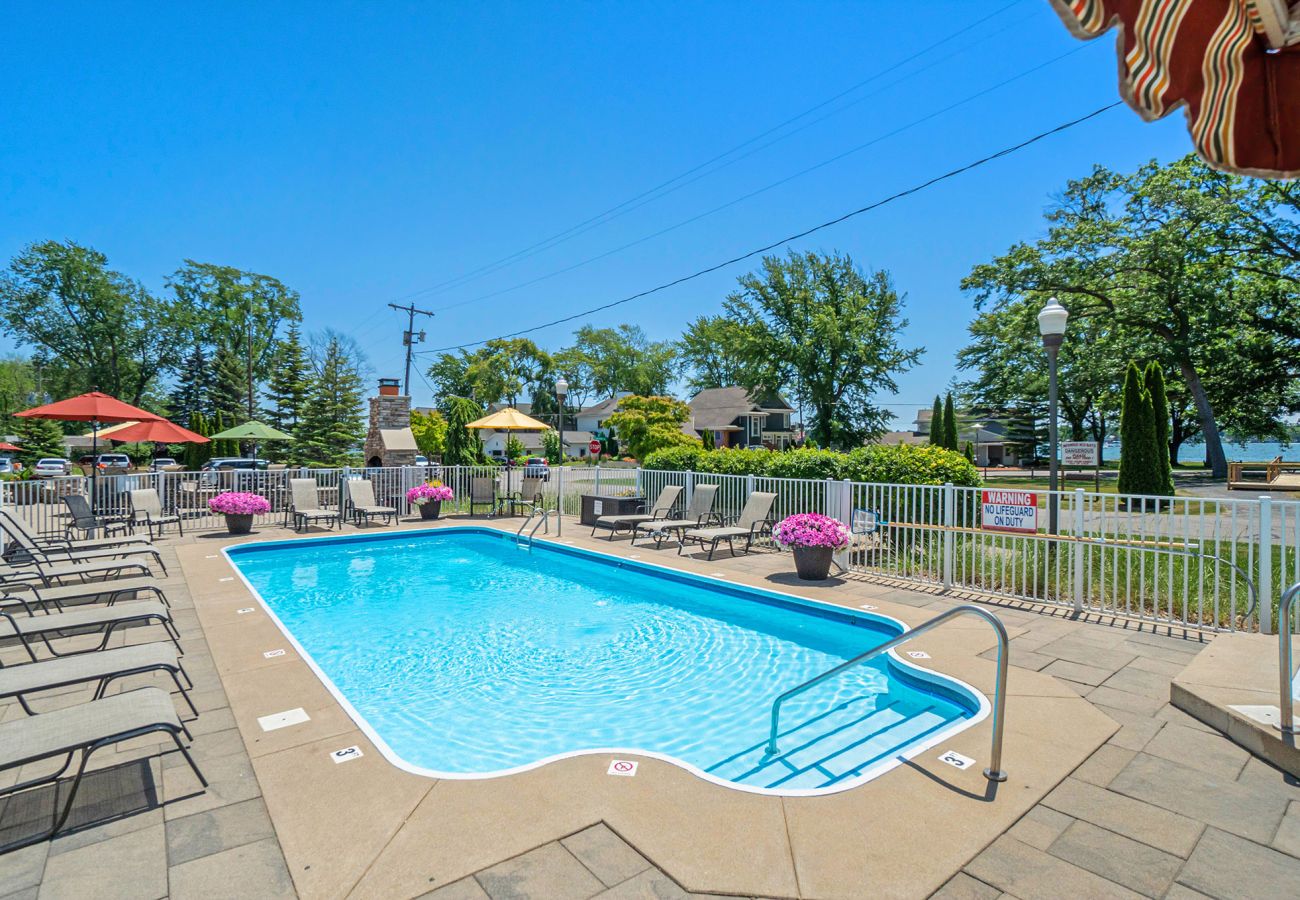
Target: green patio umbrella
(251, 431)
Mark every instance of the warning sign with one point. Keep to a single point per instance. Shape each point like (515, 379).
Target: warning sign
(624, 767)
(1014, 511)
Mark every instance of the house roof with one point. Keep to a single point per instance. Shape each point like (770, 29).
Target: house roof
(890, 438)
(578, 438)
(602, 409)
(525, 408)
(716, 408)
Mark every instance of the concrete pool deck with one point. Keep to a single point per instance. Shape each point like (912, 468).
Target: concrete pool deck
(1112, 791)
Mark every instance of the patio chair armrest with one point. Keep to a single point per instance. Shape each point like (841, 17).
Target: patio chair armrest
(761, 526)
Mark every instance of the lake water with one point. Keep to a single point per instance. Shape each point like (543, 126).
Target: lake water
(1254, 451)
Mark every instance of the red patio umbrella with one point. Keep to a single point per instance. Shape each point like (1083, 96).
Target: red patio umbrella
(8, 447)
(160, 431)
(1233, 64)
(95, 408)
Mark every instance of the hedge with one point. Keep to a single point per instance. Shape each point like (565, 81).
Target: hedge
(887, 464)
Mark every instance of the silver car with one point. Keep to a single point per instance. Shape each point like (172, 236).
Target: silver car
(52, 467)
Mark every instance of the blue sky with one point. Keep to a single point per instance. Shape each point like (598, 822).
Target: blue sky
(374, 152)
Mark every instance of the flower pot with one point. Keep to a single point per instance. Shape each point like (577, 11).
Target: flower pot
(813, 563)
(237, 524)
(430, 509)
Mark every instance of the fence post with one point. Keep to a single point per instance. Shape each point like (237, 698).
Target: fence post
(596, 491)
(844, 513)
(949, 536)
(749, 489)
(690, 487)
(559, 499)
(1265, 609)
(1078, 549)
(640, 489)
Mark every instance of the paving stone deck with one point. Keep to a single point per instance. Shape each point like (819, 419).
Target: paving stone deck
(1165, 808)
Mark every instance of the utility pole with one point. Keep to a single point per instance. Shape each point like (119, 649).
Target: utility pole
(409, 338)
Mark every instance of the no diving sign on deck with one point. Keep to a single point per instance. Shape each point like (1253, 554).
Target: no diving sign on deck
(1014, 511)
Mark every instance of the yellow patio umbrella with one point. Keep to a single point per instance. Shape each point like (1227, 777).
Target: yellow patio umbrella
(508, 419)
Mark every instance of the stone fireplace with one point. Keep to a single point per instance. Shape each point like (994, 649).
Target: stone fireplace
(389, 441)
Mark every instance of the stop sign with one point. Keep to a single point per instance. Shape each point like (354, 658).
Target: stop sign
(594, 446)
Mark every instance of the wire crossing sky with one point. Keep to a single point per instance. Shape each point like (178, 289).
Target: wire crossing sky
(517, 164)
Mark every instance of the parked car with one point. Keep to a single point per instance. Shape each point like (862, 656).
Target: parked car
(165, 464)
(109, 463)
(52, 467)
(6, 466)
(212, 470)
(422, 461)
(537, 467)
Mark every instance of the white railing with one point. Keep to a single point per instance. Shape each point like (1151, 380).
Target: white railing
(1185, 560)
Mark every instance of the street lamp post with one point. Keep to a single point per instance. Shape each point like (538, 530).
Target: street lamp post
(1051, 325)
(561, 391)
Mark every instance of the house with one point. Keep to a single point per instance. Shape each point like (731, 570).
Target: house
(577, 444)
(494, 442)
(592, 418)
(989, 439)
(738, 417)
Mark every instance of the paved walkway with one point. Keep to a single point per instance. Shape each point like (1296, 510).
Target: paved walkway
(1166, 808)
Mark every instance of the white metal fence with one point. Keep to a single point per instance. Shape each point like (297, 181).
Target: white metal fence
(1180, 560)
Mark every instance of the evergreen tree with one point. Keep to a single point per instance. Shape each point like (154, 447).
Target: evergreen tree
(936, 423)
(706, 438)
(229, 389)
(1138, 462)
(193, 392)
(286, 392)
(220, 422)
(1154, 379)
(39, 438)
(552, 449)
(331, 428)
(950, 425)
(969, 451)
(464, 448)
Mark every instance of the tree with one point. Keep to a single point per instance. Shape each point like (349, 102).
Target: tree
(949, 424)
(239, 310)
(1139, 467)
(287, 387)
(712, 350)
(502, 369)
(646, 424)
(227, 401)
(464, 448)
(1154, 381)
(552, 448)
(969, 451)
(820, 322)
(39, 438)
(624, 359)
(936, 422)
(430, 430)
(515, 448)
(103, 328)
(706, 438)
(332, 428)
(193, 391)
(197, 454)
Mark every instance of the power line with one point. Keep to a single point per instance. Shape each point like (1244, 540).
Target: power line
(952, 173)
(608, 214)
(408, 338)
(771, 186)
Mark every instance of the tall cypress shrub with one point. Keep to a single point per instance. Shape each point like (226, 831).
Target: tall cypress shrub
(936, 423)
(950, 426)
(1138, 463)
(1154, 379)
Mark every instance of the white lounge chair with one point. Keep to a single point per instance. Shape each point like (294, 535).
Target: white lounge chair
(306, 504)
(361, 500)
(698, 512)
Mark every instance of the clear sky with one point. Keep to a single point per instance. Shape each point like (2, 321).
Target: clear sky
(374, 152)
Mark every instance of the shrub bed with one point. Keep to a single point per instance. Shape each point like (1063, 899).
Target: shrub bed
(892, 464)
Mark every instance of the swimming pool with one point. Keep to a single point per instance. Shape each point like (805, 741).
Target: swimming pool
(462, 655)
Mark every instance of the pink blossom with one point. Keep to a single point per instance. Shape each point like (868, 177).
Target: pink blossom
(811, 530)
(239, 503)
(423, 493)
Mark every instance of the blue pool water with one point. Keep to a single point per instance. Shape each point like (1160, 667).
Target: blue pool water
(463, 654)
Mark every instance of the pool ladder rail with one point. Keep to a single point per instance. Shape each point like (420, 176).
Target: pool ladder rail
(994, 772)
(543, 516)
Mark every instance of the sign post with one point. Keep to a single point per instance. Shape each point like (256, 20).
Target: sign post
(1082, 454)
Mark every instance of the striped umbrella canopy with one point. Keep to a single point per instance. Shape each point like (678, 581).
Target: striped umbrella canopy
(1233, 65)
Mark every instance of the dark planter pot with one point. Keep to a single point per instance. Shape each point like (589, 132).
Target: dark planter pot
(813, 563)
(239, 524)
(430, 510)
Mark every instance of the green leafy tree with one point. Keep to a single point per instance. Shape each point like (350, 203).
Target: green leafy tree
(286, 392)
(647, 424)
(552, 448)
(515, 448)
(430, 430)
(936, 423)
(706, 438)
(464, 447)
(712, 349)
(101, 328)
(949, 425)
(1139, 466)
(624, 359)
(39, 438)
(820, 322)
(332, 427)
(969, 451)
(1154, 381)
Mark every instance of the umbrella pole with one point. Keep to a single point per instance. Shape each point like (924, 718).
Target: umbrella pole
(94, 466)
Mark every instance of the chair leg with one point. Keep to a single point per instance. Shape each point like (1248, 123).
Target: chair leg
(188, 702)
(189, 759)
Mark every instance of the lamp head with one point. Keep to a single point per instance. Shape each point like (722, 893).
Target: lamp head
(1052, 319)
(562, 388)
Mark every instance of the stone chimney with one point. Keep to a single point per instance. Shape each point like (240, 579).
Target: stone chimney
(389, 441)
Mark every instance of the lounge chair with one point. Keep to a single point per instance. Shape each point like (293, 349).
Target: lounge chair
(306, 504)
(753, 521)
(27, 548)
(85, 729)
(662, 509)
(85, 521)
(698, 512)
(51, 542)
(483, 492)
(361, 500)
(104, 667)
(106, 619)
(106, 592)
(147, 509)
(54, 572)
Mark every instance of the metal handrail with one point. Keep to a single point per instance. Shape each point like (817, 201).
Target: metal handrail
(545, 520)
(1286, 724)
(994, 771)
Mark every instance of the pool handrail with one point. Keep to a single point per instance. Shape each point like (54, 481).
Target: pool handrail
(1286, 720)
(994, 771)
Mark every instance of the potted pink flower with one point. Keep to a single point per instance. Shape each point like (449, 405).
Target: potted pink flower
(428, 497)
(239, 507)
(814, 538)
